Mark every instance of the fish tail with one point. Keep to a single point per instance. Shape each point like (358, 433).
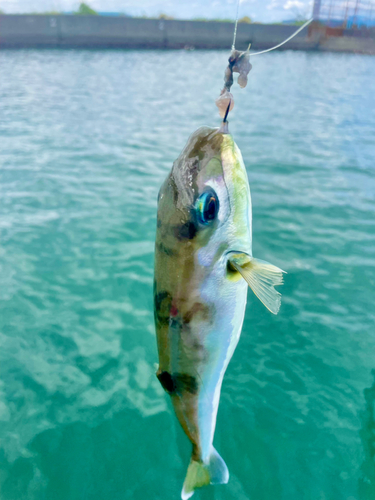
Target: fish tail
(201, 474)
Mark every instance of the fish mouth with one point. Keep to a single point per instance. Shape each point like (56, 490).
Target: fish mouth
(224, 126)
(224, 129)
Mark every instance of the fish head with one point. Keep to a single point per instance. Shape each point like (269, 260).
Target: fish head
(206, 197)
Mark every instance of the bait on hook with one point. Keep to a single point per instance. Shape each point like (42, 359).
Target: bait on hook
(239, 62)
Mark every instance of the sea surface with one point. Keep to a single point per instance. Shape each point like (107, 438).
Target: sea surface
(86, 139)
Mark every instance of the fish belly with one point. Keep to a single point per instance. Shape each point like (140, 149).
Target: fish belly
(220, 343)
(199, 361)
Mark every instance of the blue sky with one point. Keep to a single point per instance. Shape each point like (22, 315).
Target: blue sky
(258, 10)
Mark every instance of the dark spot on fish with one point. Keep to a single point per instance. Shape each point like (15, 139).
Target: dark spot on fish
(184, 382)
(172, 185)
(168, 251)
(162, 304)
(199, 148)
(186, 231)
(178, 383)
(197, 308)
(158, 223)
(197, 346)
(160, 297)
(167, 382)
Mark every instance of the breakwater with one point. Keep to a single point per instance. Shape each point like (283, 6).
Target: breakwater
(72, 31)
(122, 32)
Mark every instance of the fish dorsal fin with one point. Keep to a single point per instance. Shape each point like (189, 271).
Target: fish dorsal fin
(261, 277)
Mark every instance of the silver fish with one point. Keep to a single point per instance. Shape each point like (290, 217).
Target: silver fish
(203, 266)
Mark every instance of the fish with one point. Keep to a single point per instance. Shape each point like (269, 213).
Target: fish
(203, 268)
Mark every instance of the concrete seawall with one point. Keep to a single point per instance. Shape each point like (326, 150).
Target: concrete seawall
(75, 31)
(72, 31)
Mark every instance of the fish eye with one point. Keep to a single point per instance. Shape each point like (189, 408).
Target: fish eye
(207, 206)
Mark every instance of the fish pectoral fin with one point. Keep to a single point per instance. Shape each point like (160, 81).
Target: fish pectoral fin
(261, 277)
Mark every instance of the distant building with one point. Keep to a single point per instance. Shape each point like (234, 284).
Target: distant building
(347, 14)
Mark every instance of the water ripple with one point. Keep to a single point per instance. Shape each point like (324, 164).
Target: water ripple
(87, 139)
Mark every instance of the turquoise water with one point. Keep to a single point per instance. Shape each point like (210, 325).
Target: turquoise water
(87, 138)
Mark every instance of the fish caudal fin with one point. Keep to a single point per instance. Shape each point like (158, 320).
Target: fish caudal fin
(201, 474)
(261, 277)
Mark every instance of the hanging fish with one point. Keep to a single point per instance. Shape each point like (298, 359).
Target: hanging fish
(203, 267)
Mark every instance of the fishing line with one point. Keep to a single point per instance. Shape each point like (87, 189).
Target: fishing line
(235, 26)
(282, 43)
